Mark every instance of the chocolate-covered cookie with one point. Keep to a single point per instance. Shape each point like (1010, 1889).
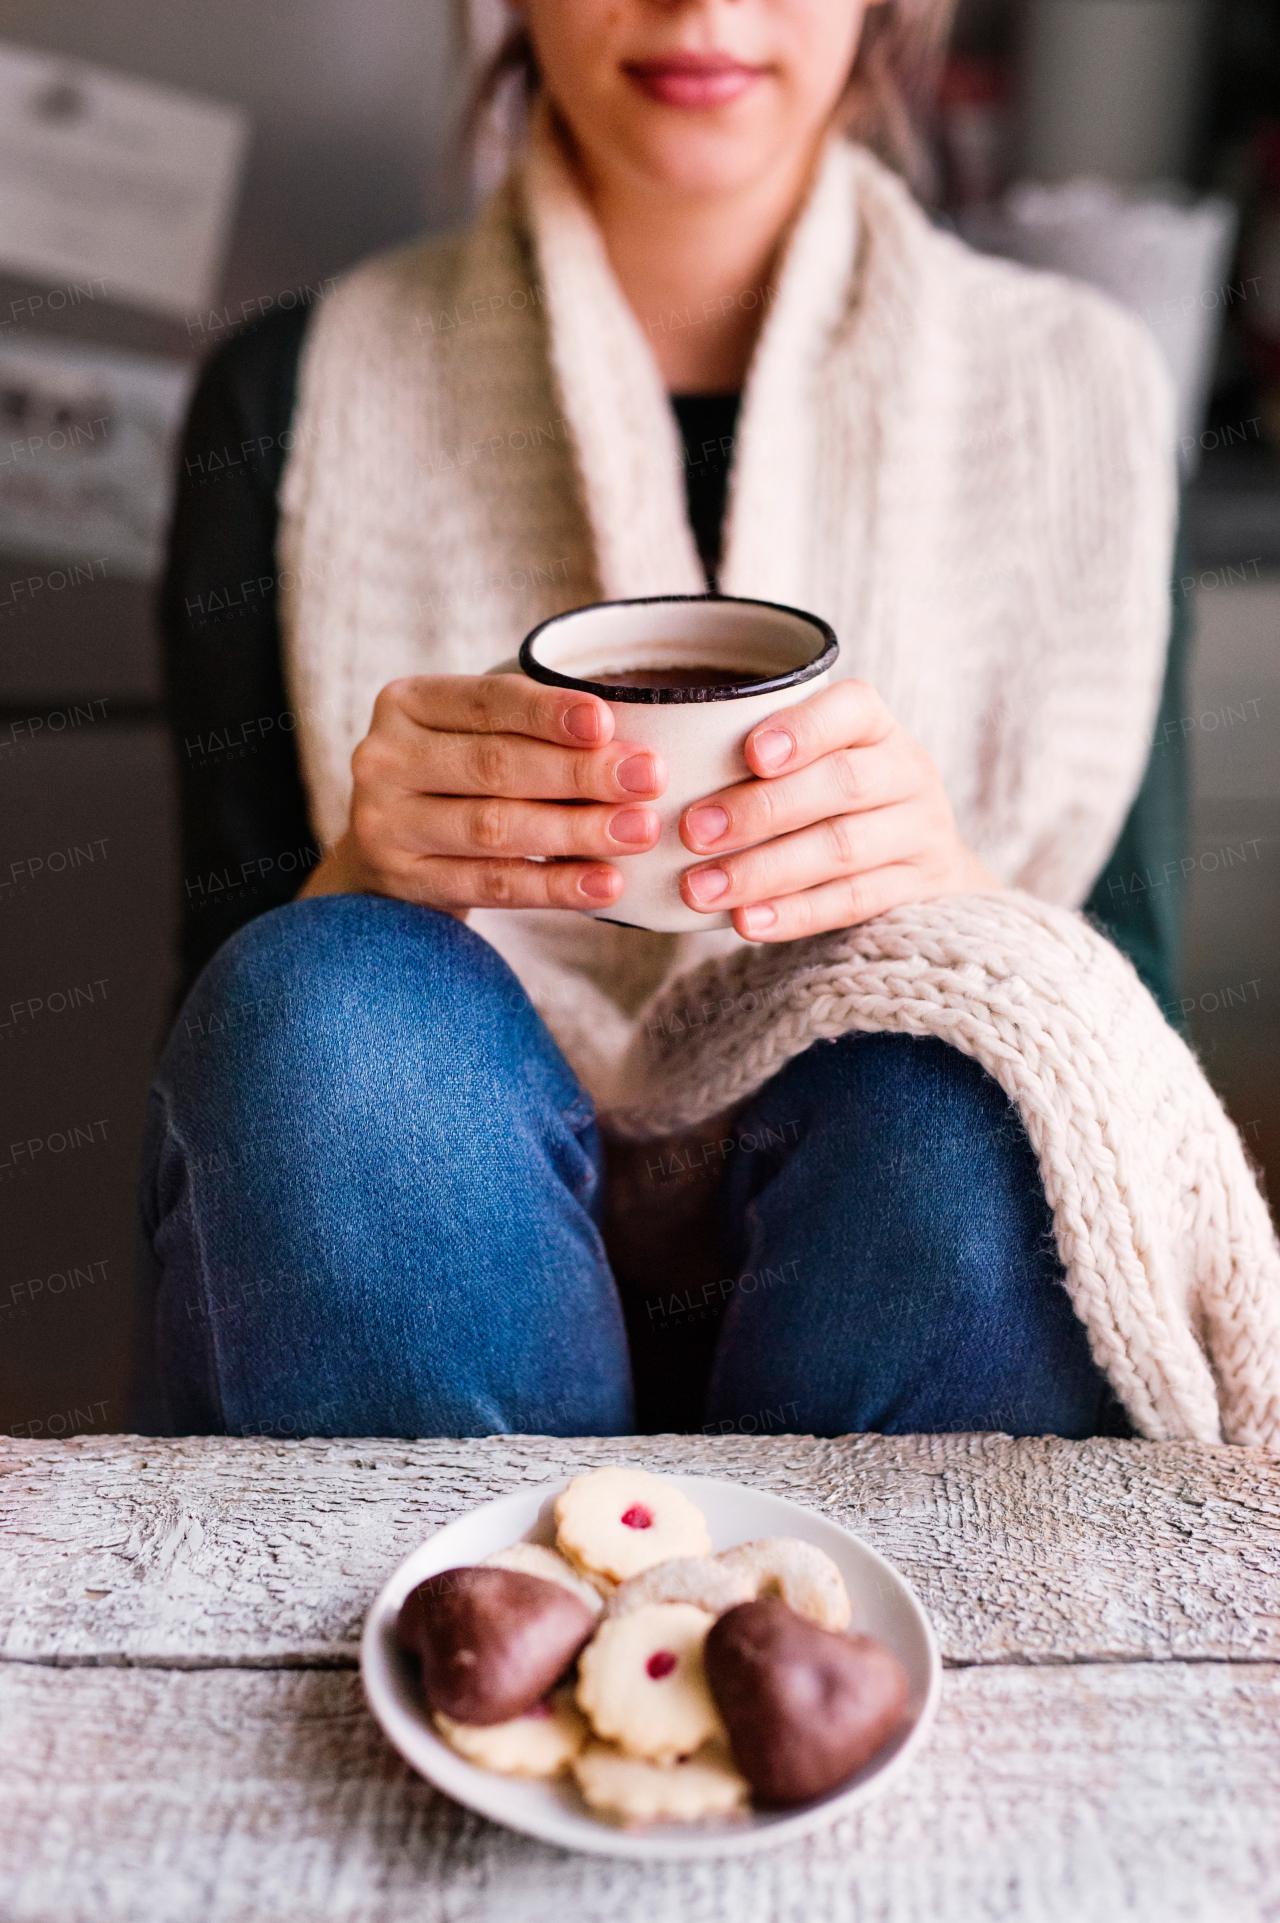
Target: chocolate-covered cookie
(492, 1642)
(805, 1707)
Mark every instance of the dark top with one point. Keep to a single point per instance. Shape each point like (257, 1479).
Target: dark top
(707, 423)
(246, 839)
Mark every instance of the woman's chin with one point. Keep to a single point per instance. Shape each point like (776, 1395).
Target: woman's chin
(692, 162)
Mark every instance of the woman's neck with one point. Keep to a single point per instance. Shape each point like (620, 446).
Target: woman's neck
(697, 271)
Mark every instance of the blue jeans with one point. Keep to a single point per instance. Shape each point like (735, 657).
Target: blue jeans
(373, 1194)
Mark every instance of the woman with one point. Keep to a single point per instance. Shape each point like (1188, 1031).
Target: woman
(375, 1184)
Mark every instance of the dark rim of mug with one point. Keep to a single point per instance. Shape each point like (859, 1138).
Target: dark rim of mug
(552, 678)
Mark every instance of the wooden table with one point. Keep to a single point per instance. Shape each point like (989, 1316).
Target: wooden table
(184, 1735)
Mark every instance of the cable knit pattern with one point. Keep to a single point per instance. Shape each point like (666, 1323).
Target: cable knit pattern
(1170, 1258)
(967, 469)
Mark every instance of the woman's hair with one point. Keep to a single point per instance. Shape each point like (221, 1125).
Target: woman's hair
(899, 53)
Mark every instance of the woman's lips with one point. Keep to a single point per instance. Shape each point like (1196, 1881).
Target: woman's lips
(693, 80)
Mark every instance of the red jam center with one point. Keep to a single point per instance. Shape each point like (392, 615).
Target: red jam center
(660, 1664)
(638, 1517)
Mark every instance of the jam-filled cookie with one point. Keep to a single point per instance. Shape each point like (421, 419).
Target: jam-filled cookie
(642, 1683)
(635, 1792)
(531, 1559)
(617, 1522)
(803, 1577)
(541, 1743)
(704, 1581)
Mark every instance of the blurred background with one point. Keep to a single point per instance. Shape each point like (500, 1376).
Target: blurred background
(259, 148)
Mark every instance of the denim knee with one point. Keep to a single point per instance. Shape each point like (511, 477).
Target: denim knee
(321, 997)
(939, 1154)
(900, 1201)
(363, 1214)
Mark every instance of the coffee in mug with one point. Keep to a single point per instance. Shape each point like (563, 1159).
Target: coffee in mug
(690, 676)
(701, 676)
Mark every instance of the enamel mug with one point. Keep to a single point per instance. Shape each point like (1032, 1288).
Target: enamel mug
(699, 731)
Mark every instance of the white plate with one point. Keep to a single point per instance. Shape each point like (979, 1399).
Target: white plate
(884, 1606)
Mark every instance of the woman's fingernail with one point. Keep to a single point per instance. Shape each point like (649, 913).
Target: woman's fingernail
(706, 824)
(772, 747)
(635, 774)
(758, 917)
(597, 884)
(633, 825)
(708, 884)
(583, 722)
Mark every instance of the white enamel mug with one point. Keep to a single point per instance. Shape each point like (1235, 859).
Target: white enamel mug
(699, 732)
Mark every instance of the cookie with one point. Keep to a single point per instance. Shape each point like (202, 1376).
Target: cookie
(541, 1743)
(617, 1522)
(602, 1587)
(635, 1792)
(642, 1683)
(805, 1707)
(803, 1577)
(533, 1560)
(703, 1581)
(491, 1642)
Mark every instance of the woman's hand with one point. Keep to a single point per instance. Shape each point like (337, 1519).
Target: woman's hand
(461, 778)
(852, 817)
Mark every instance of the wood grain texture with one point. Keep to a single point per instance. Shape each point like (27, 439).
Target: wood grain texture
(206, 1551)
(1144, 1792)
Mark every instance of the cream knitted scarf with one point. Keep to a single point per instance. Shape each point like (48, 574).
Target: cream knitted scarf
(967, 470)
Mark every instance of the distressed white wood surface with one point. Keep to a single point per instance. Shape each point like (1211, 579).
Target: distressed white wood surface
(208, 1551)
(1088, 1794)
(182, 1738)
